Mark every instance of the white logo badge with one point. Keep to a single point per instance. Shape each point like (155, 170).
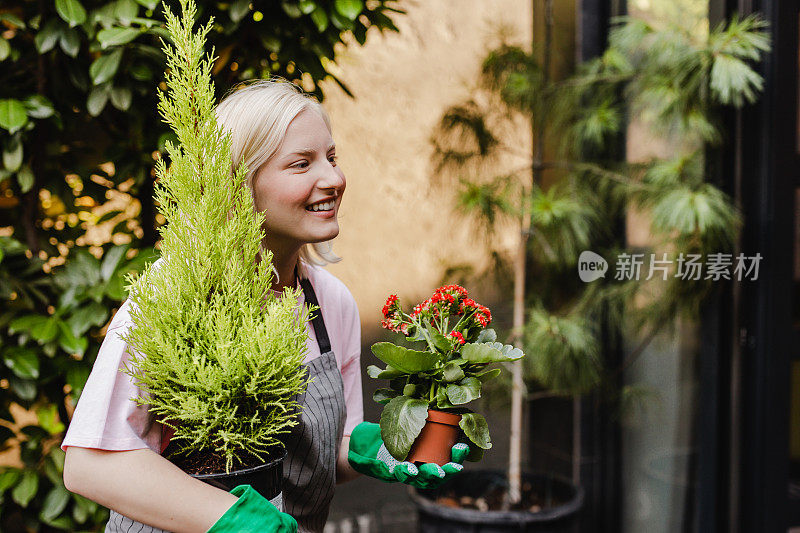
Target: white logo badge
(591, 266)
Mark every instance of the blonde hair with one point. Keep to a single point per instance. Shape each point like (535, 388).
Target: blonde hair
(257, 114)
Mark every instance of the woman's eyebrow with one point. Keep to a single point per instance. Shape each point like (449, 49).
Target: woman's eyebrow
(309, 151)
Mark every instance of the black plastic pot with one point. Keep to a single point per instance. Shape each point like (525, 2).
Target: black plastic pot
(265, 478)
(561, 518)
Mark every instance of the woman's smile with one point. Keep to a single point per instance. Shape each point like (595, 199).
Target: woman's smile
(326, 209)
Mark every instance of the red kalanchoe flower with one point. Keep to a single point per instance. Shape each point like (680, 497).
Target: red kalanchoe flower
(483, 316)
(447, 300)
(393, 315)
(449, 295)
(457, 335)
(391, 306)
(460, 291)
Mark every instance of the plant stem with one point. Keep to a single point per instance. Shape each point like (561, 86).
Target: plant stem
(518, 386)
(424, 333)
(465, 316)
(539, 127)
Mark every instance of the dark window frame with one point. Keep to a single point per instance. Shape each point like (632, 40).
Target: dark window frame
(760, 169)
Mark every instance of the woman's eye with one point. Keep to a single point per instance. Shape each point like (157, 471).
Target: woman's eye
(333, 160)
(301, 164)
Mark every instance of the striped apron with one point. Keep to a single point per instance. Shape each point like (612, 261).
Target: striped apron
(309, 470)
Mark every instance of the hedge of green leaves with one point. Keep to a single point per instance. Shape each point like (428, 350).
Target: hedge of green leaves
(49, 357)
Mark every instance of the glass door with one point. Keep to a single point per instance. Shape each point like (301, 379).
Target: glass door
(659, 439)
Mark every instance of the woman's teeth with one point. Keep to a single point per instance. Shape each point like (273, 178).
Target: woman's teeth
(321, 207)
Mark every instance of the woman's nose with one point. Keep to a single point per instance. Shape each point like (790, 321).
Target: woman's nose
(333, 178)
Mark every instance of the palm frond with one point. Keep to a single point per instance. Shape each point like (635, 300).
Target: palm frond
(562, 224)
(702, 214)
(733, 81)
(745, 38)
(563, 353)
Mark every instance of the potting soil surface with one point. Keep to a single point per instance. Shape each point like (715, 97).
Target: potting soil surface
(493, 500)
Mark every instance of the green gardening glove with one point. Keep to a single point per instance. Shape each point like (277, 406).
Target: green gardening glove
(368, 454)
(253, 513)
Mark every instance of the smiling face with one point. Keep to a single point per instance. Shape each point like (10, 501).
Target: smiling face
(302, 172)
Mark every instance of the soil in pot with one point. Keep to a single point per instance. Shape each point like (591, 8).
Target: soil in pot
(533, 499)
(202, 463)
(472, 501)
(434, 442)
(263, 475)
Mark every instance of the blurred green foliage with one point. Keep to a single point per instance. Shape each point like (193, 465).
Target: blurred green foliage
(669, 76)
(49, 341)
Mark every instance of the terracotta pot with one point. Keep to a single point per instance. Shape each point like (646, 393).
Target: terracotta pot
(434, 443)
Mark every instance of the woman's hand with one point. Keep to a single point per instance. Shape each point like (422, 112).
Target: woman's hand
(253, 513)
(368, 455)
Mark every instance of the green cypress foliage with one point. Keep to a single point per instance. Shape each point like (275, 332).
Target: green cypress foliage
(217, 355)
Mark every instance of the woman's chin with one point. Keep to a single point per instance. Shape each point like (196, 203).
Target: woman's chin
(325, 236)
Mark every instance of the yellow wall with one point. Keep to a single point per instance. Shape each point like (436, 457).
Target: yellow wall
(396, 236)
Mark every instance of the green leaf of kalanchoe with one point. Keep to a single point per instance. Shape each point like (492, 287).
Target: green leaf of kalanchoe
(486, 335)
(389, 373)
(22, 361)
(439, 340)
(373, 371)
(488, 374)
(441, 399)
(401, 422)
(71, 11)
(383, 396)
(490, 353)
(464, 391)
(397, 384)
(403, 359)
(452, 372)
(349, 8)
(476, 429)
(26, 488)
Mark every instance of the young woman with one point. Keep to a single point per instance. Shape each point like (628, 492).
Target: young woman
(113, 447)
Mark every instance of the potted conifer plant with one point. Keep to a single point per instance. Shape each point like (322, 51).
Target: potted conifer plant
(217, 356)
(425, 411)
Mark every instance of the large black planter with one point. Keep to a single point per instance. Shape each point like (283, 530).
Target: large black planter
(265, 478)
(435, 518)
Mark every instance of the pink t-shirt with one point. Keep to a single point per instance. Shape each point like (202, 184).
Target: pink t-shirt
(107, 419)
